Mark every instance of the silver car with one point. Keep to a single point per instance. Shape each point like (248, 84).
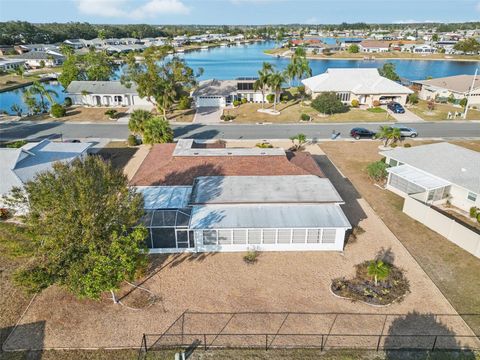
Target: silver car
(407, 132)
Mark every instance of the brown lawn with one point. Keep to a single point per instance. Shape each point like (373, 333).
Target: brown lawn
(452, 269)
(118, 153)
(83, 114)
(440, 112)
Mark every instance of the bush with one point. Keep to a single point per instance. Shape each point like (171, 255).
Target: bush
(4, 213)
(376, 103)
(393, 145)
(57, 111)
(478, 217)
(284, 98)
(236, 103)
(132, 140)
(407, 145)
(304, 117)
(270, 98)
(67, 102)
(473, 212)
(111, 113)
(264, 145)
(412, 99)
(328, 103)
(463, 102)
(184, 103)
(377, 171)
(244, 100)
(227, 117)
(251, 257)
(355, 103)
(16, 144)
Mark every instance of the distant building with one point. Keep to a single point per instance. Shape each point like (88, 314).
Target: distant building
(10, 64)
(37, 59)
(374, 46)
(457, 86)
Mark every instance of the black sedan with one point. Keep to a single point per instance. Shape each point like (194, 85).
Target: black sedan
(358, 133)
(396, 108)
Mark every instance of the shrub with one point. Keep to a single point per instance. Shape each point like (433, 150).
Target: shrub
(304, 117)
(251, 257)
(407, 145)
(413, 98)
(132, 140)
(227, 117)
(67, 102)
(473, 212)
(355, 103)
(284, 98)
(463, 102)
(376, 103)
(236, 103)
(184, 103)
(270, 98)
(16, 144)
(4, 213)
(57, 111)
(111, 113)
(394, 145)
(244, 100)
(377, 171)
(328, 103)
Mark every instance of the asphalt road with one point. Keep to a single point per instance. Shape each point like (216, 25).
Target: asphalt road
(30, 130)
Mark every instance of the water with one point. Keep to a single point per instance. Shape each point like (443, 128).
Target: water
(246, 60)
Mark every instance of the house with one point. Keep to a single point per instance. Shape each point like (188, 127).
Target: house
(23, 48)
(458, 86)
(374, 46)
(364, 85)
(10, 64)
(221, 93)
(6, 50)
(203, 197)
(18, 166)
(104, 93)
(435, 173)
(74, 43)
(38, 59)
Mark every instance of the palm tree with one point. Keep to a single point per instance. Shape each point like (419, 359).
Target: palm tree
(378, 270)
(301, 138)
(389, 135)
(17, 109)
(138, 119)
(291, 72)
(38, 88)
(275, 83)
(263, 79)
(20, 71)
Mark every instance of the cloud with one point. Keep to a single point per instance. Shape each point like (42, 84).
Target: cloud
(128, 8)
(240, 2)
(412, 21)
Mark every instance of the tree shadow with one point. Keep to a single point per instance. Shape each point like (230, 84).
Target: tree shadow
(386, 255)
(423, 336)
(181, 131)
(25, 336)
(118, 156)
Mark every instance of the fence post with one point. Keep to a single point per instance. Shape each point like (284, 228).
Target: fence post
(378, 343)
(145, 342)
(266, 342)
(321, 345)
(434, 343)
(205, 342)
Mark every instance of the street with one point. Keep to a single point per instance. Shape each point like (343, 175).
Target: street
(34, 131)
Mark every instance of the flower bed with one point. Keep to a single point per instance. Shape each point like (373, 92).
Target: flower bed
(363, 288)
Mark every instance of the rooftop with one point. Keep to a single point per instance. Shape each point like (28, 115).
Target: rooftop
(214, 87)
(449, 162)
(418, 177)
(164, 197)
(189, 147)
(100, 87)
(457, 83)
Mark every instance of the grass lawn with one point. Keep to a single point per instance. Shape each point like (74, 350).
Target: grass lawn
(290, 113)
(118, 153)
(83, 114)
(453, 270)
(441, 111)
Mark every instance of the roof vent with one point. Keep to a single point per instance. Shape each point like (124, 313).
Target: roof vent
(463, 169)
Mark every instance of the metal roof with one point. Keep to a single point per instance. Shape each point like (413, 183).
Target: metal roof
(214, 87)
(268, 216)
(263, 189)
(164, 197)
(418, 177)
(455, 164)
(100, 87)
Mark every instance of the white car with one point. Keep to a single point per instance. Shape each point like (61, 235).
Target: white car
(407, 132)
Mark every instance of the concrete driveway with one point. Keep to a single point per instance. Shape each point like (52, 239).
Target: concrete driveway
(208, 115)
(407, 117)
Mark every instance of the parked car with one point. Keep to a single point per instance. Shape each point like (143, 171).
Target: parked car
(359, 133)
(396, 108)
(407, 132)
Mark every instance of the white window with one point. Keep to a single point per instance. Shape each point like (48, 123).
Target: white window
(239, 236)
(329, 236)
(472, 196)
(284, 236)
(209, 237)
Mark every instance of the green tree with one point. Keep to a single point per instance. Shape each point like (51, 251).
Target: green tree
(329, 103)
(275, 82)
(389, 135)
(263, 79)
(31, 102)
(138, 119)
(97, 66)
(83, 218)
(470, 45)
(20, 71)
(412, 98)
(435, 37)
(157, 130)
(378, 270)
(17, 109)
(388, 71)
(298, 141)
(353, 49)
(463, 103)
(70, 71)
(37, 88)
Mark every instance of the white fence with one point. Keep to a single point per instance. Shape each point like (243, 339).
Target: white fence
(449, 228)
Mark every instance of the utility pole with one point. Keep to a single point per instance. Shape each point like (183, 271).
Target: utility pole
(470, 94)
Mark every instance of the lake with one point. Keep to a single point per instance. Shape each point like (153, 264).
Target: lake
(246, 60)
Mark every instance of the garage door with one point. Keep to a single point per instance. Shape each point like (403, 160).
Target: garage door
(210, 101)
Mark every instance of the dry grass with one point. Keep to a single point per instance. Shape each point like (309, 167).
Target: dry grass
(452, 269)
(441, 111)
(83, 114)
(118, 153)
(182, 115)
(290, 113)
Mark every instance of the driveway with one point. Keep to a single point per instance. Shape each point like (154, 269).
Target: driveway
(208, 115)
(407, 117)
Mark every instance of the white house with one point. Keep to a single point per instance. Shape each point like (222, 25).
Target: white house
(458, 86)
(435, 173)
(104, 93)
(36, 59)
(364, 85)
(10, 64)
(374, 46)
(18, 166)
(221, 93)
(229, 209)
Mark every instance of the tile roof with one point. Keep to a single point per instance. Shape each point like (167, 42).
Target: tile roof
(161, 168)
(457, 83)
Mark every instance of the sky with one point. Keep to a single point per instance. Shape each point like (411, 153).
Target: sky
(248, 12)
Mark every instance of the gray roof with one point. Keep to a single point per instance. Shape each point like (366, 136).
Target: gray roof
(449, 162)
(39, 55)
(100, 87)
(19, 166)
(164, 197)
(263, 189)
(214, 87)
(268, 216)
(457, 83)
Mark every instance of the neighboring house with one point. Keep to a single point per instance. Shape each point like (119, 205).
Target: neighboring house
(364, 85)
(221, 93)
(6, 50)
(36, 59)
(202, 197)
(74, 43)
(21, 49)
(124, 48)
(458, 86)
(10, 64)
(435, 173)
(104, 93)
(18, 166)
(374, 46)
(424, 49)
